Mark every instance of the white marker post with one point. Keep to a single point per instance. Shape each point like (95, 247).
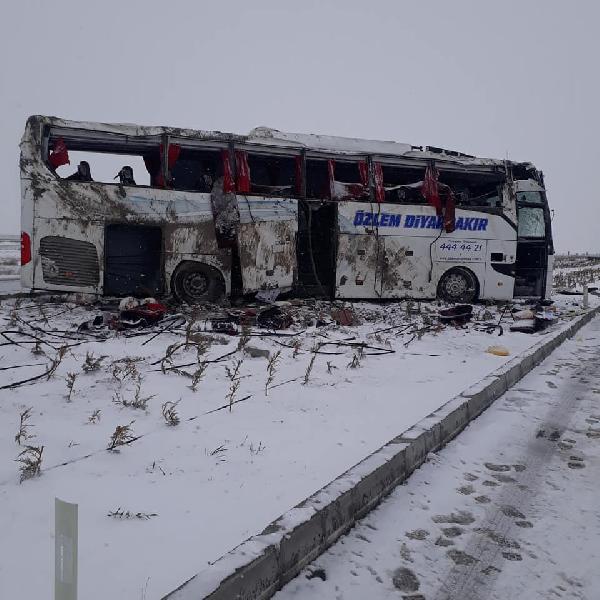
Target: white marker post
(65, 550)
(586, 300)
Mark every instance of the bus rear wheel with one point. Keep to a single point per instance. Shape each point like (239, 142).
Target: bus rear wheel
(195, 282)
(458, 285)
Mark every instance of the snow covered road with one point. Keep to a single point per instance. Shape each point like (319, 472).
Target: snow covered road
(511, 507)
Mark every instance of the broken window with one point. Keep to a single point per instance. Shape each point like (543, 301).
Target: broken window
(350, 180)
(272, 174)
(87, 155)
(475, 190)
(196, 170)
(104, 167)
(531, 222)
(340, 180)
(317, 179)
(530, 197)
(403, 185)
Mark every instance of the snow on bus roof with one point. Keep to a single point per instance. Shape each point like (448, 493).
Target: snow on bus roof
(346, 145)
(266, 136)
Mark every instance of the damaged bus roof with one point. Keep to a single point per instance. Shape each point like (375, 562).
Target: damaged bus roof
(268, 137)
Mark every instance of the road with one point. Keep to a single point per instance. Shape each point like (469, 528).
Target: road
(511, 508)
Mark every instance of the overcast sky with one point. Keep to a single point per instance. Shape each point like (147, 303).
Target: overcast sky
(516, 78)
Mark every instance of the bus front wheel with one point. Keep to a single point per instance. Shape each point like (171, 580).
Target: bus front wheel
(458, 285)
(195, 282)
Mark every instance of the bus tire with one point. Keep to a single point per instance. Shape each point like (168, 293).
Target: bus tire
(195, 282)
(458, 285)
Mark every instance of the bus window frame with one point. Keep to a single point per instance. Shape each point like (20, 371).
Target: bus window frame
(189, 144)
(285, 152)
(81, 140)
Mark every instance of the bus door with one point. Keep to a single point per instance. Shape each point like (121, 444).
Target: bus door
(533, 244)
(267, 242)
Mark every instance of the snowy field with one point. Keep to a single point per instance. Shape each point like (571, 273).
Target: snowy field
(154, 510)
(181, 495)
(509, 509)
(9, 258)
(573, 272)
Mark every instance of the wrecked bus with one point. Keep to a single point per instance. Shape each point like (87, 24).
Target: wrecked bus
(203, 215)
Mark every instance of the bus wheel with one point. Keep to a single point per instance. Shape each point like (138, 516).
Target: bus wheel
(195, 282)
(457, 285)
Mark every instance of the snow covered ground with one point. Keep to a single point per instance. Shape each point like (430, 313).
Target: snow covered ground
(9, 259)
(218, 476)
(510, 509)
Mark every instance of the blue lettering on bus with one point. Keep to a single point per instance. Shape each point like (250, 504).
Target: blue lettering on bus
(429, 222)
(369, 219)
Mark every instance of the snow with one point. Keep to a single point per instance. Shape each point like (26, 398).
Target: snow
(219, 476)
(508, 509)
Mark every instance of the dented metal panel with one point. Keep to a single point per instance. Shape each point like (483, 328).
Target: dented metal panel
(357, 266)
(406, 252)
(267, 242)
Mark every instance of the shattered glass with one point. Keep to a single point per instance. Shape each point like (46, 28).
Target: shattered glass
(531, 222)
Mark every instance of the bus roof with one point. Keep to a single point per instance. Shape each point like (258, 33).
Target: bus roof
(267, 137)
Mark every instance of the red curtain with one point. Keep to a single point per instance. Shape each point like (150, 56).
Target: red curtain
(449, 212)
(228, 182)
(331, 174)
(243, 171)
(59, 155)
(379, 188)
(430, 189)
(173, 154)
(363, 171)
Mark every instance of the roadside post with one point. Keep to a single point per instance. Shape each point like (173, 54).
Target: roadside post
(65, 550)
(586, 303)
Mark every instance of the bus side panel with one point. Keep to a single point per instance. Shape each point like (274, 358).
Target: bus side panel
(68, 255)
(406, 268)
(357, 266)
(411, 253)
(28, 228)
(499, 285)
(267, 242)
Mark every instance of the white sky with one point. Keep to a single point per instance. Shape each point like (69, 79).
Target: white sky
(487, 78)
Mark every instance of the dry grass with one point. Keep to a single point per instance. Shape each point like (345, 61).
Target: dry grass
(70, 379)
(311, 364)
(123, 434)
(169, 413)
(23, 434)
(94, 417)
(119, 513)
(30, 462)
(271, 370)
(92, 363)
(138, 401)
(233, 373)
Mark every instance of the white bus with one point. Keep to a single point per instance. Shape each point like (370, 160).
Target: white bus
(114, 209)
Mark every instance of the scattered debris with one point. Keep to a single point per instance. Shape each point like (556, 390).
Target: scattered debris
(498, 351)
(274, 318)
(344, 317)
(121, 514)
(457, 315)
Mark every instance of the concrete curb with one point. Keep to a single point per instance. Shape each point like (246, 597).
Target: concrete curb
(264, 563)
